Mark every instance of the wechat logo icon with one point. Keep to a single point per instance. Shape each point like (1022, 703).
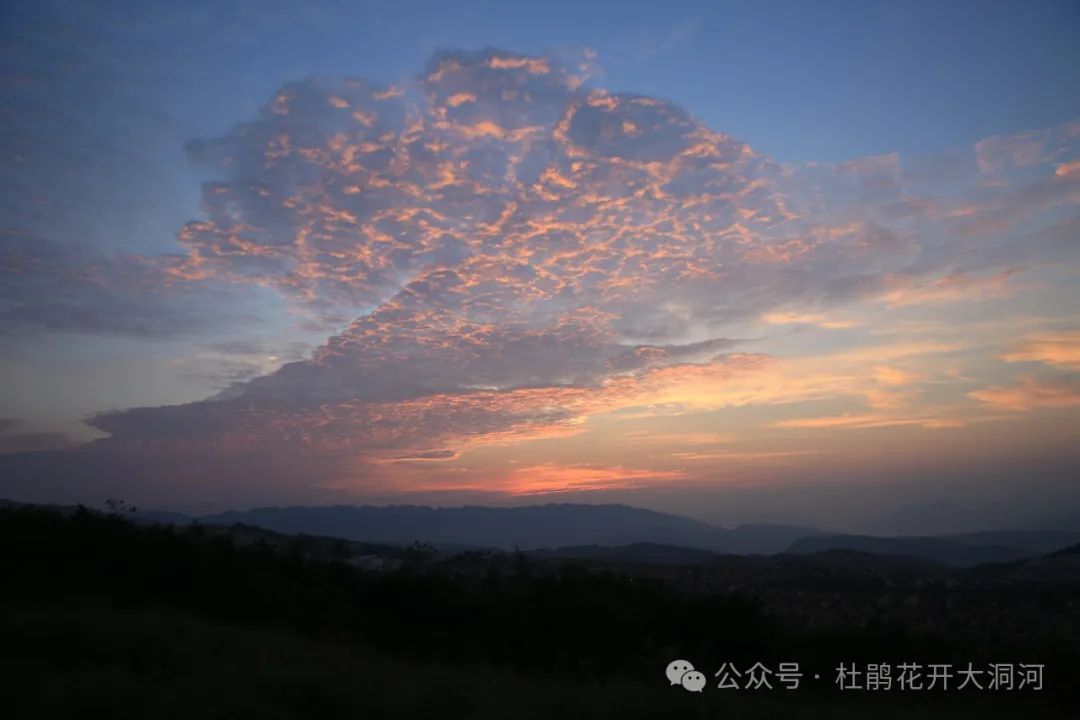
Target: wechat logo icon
(682, 672)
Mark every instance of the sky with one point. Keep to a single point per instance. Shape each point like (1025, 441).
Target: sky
(790, 262)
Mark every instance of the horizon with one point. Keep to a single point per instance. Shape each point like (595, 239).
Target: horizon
(365, 256)
(154, 514)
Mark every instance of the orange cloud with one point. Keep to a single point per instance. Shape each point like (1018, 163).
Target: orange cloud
(738, 455)
(954, 287)
(867, 421)
(460, 99)
(536, 66)
(554, 478)
(1033, 392)
(894, 376)
(792, 318)
(1060, 349)
(1068, 169)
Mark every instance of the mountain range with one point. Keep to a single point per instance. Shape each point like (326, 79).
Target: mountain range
(527, 527)
(579, 529)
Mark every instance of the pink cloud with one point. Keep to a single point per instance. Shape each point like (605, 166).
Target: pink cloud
(1033, 392)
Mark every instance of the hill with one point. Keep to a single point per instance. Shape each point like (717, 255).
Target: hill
(940, 550)
(103, 616)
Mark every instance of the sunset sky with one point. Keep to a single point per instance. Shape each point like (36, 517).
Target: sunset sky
(760, 261)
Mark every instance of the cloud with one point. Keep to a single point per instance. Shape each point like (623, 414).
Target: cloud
(430, 455)
(553, 478)
(1061, 349)
(501, 176)
(818, 319)
(957, 286)
(1033, 392)
(227, 362)
(894, 376)
(55, 287)
(390, 427)
(16, 437)
(504, 251)
(1028, 149)
(879, 178)
(738, 455)
(867, 421)
(34, 442)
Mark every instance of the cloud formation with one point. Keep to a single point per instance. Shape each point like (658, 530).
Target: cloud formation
(1033, 392)
(54, 287)
(503, 250)
(1060, 349)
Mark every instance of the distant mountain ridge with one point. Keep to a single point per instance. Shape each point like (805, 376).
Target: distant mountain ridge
(953, 550)
(528, 527)
(1034, 541)
(611, 529)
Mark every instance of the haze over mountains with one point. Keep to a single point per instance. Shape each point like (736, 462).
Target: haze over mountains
(633, 534)
(526, 527)
(590, 528)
